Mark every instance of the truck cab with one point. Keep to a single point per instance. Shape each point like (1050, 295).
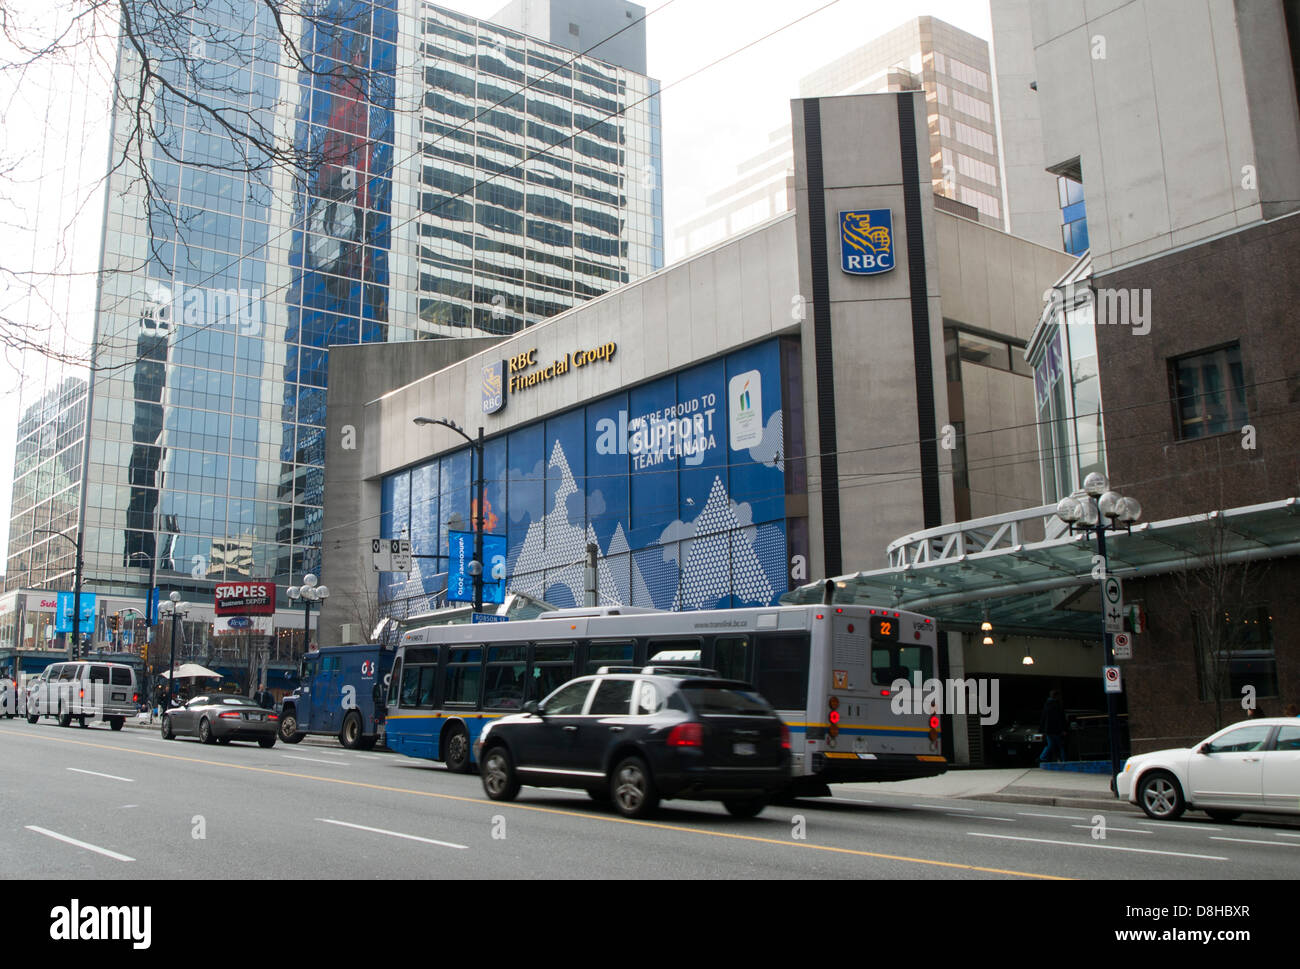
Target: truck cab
(341, 691)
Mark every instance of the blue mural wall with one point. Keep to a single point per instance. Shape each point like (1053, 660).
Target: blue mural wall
(680, 482)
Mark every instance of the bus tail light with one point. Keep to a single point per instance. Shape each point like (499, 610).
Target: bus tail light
(785, 737)
(834, 717)
(686, 735)
(934, 729)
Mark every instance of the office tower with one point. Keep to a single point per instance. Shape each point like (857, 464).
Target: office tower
(950, 65)
(462, 179)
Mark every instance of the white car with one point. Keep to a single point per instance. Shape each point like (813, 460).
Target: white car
(1253, 766)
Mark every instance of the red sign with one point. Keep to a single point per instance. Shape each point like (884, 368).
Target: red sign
(245, 598)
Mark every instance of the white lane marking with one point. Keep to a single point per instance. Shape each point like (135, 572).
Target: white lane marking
(1283, 834)
(95, 773)
(327, 753)
(1079, 844)
(1177, 826)
(855, 800)
(943, 807)
(394, 834)
(314, 760)
(80, 844)
(1252, 841)
(982, 817)
(1054, 817)
(1108, 829)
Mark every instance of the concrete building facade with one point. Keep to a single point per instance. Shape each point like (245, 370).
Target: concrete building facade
(690, 444)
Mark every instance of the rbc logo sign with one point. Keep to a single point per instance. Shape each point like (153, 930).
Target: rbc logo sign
(494, 397)
(867, 241)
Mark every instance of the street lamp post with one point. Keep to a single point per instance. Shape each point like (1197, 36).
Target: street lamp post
(1102, 510)
(308, 592)
(475, 568)
(76, 586)
(174, 609)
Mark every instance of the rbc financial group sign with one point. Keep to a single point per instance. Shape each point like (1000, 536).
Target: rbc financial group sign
(867, 241)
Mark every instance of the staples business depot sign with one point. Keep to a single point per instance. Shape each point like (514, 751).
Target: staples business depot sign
(245, 598)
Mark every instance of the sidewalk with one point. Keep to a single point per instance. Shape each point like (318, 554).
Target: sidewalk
(1015, 785)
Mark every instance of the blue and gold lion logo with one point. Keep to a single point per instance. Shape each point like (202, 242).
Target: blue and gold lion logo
(867, 241)
(494, 397)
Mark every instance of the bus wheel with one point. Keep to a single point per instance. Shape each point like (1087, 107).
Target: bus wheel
(456, 750)
(289, 728)
(350, 735)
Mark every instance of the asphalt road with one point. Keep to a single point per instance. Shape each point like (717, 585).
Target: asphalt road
(94, 804)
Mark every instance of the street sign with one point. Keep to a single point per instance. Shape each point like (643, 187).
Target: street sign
(1123, 644)
(1114, 683)
(391, 554)
(1113, 605)
(487, 617)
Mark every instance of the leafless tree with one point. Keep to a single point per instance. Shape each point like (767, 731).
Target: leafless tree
(361, 606)
(1217, 593)
(232, 69)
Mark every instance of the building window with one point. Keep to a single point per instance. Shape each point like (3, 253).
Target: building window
(1209, 390)
(1074, 216)
(1243, 656)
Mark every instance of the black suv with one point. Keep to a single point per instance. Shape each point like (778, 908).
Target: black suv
(635, 737)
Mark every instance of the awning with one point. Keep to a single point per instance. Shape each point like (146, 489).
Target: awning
(1047, 587)
(192, 671)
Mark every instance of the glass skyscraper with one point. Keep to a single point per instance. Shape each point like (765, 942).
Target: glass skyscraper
(456, 179)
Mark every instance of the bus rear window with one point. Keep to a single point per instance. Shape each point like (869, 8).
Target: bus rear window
(891, 662)
(781, 673)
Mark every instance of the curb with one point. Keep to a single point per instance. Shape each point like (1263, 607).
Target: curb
(1049, 800)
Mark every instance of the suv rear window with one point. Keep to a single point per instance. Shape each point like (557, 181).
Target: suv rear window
(99, 674)
(724, 700)
(121, 676)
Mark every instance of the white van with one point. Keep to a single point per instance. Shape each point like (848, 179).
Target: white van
(85, 691)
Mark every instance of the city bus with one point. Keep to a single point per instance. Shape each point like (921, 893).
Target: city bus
(831, 672)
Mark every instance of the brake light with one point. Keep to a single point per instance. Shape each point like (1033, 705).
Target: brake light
(81, 694)
(135, 697)
(686, 735)
(230, 715)
(834, 717)
(785, 737)
(273, 716)
(934, 722)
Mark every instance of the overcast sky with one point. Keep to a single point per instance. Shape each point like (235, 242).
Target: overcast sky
(710, 123)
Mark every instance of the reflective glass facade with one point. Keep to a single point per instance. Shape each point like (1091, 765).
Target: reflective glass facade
(681, 483)
(222, 289)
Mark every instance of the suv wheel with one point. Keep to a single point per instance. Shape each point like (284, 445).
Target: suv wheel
(632, 789)
(744, 807)
(500, 782)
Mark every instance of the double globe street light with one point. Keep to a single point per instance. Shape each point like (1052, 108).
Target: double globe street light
(1100, 510)
(173, 609)
(308, 592)
(475, 566)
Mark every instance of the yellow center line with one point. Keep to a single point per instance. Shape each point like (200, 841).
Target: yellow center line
(562, 813)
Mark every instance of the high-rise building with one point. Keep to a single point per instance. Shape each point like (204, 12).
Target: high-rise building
(949, 64)
(464, 179)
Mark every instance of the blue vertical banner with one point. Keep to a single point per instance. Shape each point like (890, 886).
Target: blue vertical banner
(460, 552)
(63, 612)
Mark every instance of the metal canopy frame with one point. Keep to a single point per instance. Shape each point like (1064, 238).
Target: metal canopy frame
(958, 572)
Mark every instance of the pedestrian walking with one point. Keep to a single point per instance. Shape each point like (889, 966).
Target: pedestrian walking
(1053, 727)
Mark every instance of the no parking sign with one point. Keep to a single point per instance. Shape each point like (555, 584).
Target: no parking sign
(1111, 677)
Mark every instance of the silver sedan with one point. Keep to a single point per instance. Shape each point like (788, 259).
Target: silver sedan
(220, 718)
